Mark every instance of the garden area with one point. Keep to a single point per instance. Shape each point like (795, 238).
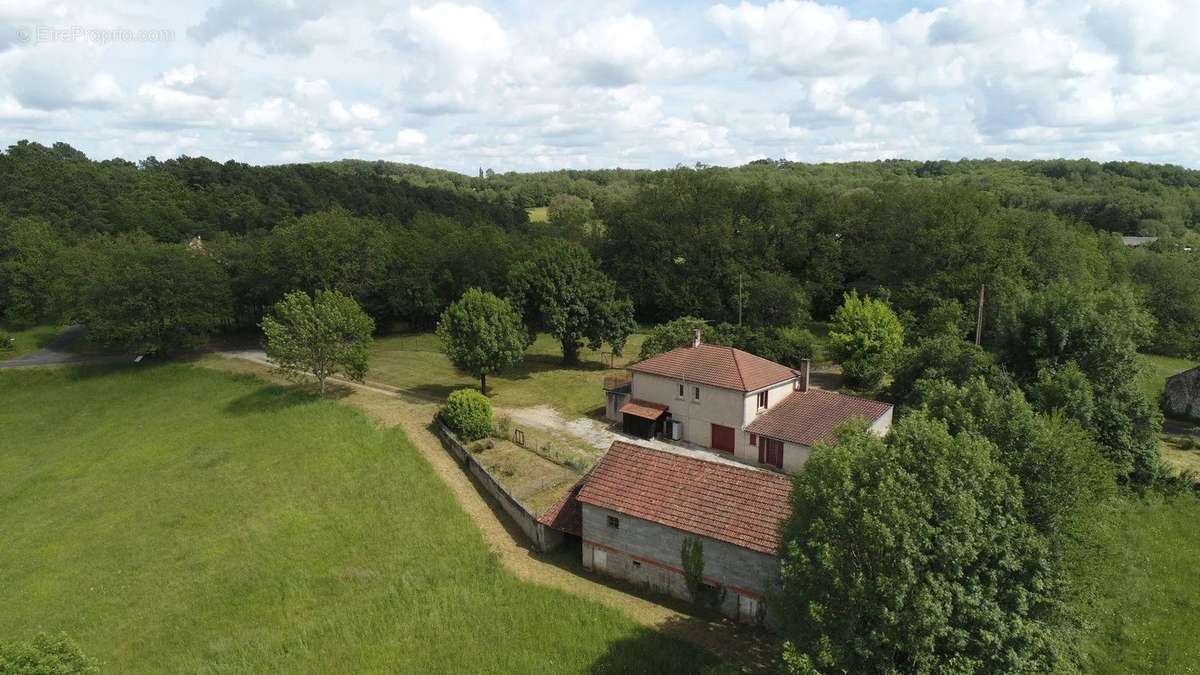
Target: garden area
(210, 522)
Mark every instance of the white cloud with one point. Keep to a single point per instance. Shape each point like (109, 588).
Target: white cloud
(637, 83)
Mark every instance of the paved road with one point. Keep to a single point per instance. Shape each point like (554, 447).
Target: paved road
(58, 352)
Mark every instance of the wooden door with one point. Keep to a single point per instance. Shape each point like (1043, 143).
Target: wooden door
(722, 438)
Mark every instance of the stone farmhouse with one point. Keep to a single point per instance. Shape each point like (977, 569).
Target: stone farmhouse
(742, 423)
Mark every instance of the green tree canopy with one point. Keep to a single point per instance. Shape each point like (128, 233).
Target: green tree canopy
(911, 554)
(866, 337)
(322, 336)
(558, 288)
(482, 334)
(137, 295)
(29, 250)
(1097, 333)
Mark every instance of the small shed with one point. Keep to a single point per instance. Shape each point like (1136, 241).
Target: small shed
(1181, 398)
(642, 419)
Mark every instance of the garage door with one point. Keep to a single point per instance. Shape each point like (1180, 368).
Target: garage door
(722, 438)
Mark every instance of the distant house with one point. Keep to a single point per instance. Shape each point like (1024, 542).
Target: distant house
(1181, 398)
(638, 505)
(1138, 241)
(735, 403)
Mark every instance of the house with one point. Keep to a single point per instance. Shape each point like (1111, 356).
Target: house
(736, 403)
(1181, 398)
(637, 506)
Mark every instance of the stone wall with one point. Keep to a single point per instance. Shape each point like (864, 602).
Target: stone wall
(1182, 396)
(648, 554)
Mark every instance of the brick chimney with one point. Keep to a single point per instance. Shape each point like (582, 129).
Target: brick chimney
(696, 339)
(805, 367)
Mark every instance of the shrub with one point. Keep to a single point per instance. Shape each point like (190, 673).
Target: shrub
(468, 413)
(6, 343)
(45, 655)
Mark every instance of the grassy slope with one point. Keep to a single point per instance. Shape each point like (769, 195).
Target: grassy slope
(1156, 369)
(180, 520)
(415, 364)
(27, 340)
(1147, 616)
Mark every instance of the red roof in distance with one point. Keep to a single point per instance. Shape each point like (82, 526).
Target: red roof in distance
(734, 504)
(716, 366)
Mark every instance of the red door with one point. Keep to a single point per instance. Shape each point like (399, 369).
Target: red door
(722, 438)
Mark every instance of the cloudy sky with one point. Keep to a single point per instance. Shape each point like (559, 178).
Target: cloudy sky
(529, 85)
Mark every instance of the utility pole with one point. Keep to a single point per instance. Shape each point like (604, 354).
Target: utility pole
(979, 320)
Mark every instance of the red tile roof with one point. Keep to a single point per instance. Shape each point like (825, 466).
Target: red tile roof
(716, 366)
(566, 515)
(650, 411)
(733, 504)
(806, 417)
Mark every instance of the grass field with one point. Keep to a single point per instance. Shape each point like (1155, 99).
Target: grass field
(176, 519)
(1147, 615)
(1156, 369)
(26, 340)
(415, 364)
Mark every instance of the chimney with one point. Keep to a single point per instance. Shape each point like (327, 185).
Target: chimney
(805, 367)
(696, 339)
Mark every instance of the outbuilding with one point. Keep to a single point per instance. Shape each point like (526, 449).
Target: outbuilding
(638, 505)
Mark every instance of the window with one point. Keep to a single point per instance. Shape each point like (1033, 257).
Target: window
(770, 451)
(696, 393)
(753, 439)
(680, 394)
(762, 400)
(614, 522)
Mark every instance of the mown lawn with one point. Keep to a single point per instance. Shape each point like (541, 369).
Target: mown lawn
(174, 519)
(1147, 616)
(415, 364)
(25, 340)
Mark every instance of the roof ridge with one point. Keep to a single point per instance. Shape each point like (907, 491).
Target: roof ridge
(737, 362)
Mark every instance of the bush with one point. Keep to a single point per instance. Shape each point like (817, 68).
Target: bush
(45, 655)
(468, 413)
(6, 343)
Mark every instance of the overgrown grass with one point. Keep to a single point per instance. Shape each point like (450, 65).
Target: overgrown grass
(1155, 371)
(25, 340)
(1147, 613)
(416, 364)
(174, 519)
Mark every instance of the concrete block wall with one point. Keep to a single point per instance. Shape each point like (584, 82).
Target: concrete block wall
(648, 554)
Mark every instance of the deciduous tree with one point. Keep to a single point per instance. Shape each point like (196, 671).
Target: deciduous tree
(482, 334)
(558, 288)
(866, 337)
(322, 336)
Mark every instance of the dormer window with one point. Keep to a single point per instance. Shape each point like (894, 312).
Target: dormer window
(762, 400)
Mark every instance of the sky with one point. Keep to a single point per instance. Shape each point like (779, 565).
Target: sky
(545, 85)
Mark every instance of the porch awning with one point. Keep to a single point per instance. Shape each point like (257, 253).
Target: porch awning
(644, 409)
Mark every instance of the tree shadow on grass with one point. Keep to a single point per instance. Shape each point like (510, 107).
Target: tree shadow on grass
(652, 651)
(271, 398)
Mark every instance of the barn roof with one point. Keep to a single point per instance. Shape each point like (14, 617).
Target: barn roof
(737, 505)
(716, 366)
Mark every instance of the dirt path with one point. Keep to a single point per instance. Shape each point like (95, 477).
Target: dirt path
(750, 649)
